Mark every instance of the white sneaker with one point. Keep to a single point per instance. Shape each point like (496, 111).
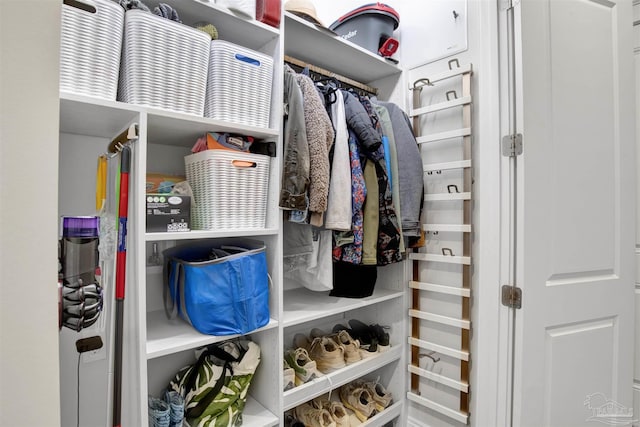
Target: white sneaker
(351, 346)
(329, 356)
(359, 400)
(313, 417)
(381, 396)
(289, 376)
(337, 410)
(305, 369)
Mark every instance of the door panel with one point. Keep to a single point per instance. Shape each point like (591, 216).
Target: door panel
(575, 210)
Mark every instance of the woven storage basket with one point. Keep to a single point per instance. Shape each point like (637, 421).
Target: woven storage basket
(229, 189)
(238, 85)
(90, 43)
(164, 64)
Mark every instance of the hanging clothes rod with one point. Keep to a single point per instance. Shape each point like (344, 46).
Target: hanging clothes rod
(345, 82)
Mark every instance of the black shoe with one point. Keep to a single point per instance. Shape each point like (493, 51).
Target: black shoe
(365, 335)
(381, 335)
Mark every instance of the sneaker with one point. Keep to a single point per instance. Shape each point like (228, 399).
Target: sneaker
(380, 395)
(291, 421)
(317, 333)
(329, 356)
(337, 410)
(351, 346)
(313, 417)
(289, 376)
(364, 334)
(359, 400)
(382, 336)
(301, 341)
(305, 369)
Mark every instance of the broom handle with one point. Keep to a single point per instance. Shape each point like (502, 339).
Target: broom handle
(121, 265)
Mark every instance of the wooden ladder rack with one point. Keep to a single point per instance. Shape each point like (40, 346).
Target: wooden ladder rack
(465, 195)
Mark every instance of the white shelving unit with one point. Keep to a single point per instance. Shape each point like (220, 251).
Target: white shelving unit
(156, 347)
(303, 309)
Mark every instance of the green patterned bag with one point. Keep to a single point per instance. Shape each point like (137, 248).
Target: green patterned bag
(215, 387)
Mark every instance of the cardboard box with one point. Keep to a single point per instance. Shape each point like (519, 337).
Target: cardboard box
(168, 212)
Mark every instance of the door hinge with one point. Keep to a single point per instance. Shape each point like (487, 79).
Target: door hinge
(511, 296)
(512, 145)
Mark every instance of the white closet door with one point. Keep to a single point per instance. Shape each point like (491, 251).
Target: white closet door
(576, 206)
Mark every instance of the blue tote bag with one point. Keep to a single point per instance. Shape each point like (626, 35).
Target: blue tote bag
(219, 287)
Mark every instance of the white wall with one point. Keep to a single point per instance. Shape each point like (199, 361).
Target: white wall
(29, 379)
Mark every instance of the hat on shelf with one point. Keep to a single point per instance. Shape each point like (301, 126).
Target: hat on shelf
(304, 9)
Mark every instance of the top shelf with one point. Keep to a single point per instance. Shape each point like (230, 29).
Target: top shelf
(333, 52)
(240, 30)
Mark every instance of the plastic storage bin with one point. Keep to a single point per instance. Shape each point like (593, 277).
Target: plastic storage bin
(268, 11)
(368, 26)
(229, 189)
(164, 64)
(238, 85)
(90, 44)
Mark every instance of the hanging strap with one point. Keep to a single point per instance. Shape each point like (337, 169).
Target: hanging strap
(190, 383)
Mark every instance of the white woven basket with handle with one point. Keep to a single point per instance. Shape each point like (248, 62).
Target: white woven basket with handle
(239, 85)
(230, 189)
(164, 64)
(90, 44)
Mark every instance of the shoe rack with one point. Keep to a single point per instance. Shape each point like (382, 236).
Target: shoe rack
(426, 326)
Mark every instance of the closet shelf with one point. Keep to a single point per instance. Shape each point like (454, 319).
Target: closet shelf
(170, 336)
(256, 415)
(85, 115)
(449, 290)
(333, 52)
(302, 305)
(443, 320)
(325, 383)
(440, 379)
(457, 133)
(207, 234)
(417, 256)
(169, 128)
(389, 414)
(239, 30)
(451, 413)
(440, 106)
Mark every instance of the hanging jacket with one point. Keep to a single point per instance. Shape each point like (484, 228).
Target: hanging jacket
(410, 172)
(358, 120)
(320, 138)
(352, 252)
(387, 130)
(388, 244)
(295, 170)
(339, 211)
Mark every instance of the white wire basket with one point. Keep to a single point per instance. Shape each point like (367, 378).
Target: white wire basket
(229, 189)
(90, 43)
(238, 85)
(164, 64)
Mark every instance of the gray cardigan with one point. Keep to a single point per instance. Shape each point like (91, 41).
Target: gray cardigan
(410, 170)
